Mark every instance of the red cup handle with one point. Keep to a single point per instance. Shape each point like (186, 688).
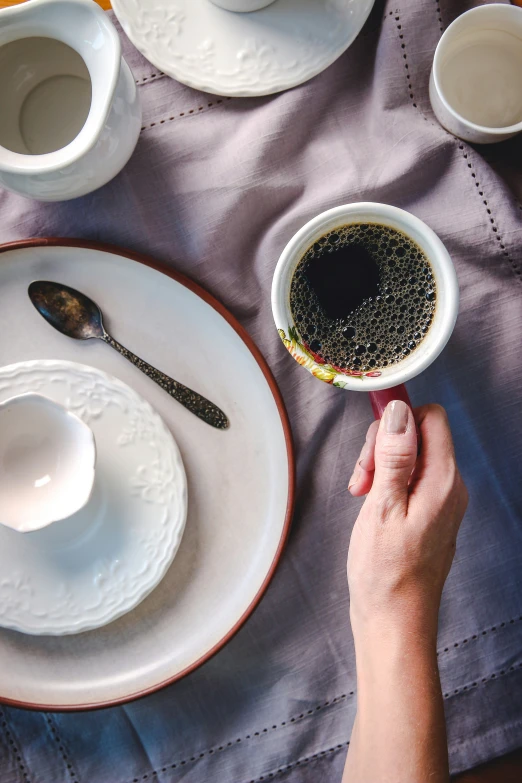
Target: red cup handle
(380, 399)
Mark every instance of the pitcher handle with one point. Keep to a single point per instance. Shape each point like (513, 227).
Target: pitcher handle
(380, 399)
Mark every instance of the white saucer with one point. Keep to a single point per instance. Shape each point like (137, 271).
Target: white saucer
(87, 570)
(242, 54)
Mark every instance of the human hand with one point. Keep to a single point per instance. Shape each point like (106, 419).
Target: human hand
(400, 554)
(403, 540)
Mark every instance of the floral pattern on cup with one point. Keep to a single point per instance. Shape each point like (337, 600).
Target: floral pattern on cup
(315, 364)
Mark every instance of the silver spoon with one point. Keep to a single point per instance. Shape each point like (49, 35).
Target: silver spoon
(75, 315)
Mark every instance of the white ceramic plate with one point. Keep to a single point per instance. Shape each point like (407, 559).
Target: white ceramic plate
(240, 481)
(84, 571)
(242, 54)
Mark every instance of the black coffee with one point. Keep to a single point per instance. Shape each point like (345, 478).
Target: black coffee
(363, 297)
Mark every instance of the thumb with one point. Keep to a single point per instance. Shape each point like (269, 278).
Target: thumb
(395, 454)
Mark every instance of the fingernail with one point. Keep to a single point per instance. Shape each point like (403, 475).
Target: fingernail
(396, 417)
(354, 478)
(366, 456)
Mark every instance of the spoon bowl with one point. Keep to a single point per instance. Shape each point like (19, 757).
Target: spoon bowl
(69, 311)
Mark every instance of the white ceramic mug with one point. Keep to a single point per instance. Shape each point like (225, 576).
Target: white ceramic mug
(387, 383)
(242, 5)
(476, 78)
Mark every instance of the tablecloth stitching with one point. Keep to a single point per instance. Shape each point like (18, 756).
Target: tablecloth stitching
(397, 17)
(61, 747)
(299, 763)
(494, 676)
(439, 15)
(269, 775)
(145, 79)
(462, 147)
(188, 113)
(492, 221)
(479, 634)
(231, 743)
(24, 769)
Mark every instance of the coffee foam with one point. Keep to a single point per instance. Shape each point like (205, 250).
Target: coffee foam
(384, 329)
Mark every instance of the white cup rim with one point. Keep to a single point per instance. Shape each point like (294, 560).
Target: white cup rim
(445, 279)
(495, 130)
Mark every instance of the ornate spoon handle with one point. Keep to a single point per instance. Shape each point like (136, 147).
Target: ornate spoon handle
(191, 400)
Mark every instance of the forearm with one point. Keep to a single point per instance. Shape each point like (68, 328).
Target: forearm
(399, 734)
(401, 550)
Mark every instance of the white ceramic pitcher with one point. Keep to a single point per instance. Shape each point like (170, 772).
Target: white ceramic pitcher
(69, 111)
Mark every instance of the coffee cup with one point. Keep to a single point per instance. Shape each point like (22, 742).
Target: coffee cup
(383, 383)
(476, 78)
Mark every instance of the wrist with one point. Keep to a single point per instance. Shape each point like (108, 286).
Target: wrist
(398, 627)
(400, 714)
(393, 660)
(409, 613)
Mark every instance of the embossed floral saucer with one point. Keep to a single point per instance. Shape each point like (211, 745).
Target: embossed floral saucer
(242, 54)
(87, 570)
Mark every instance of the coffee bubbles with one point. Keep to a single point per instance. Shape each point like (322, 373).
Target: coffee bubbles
(363, 297)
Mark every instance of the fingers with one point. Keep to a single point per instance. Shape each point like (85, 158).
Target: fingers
(436, 465)
(398, 476)
(395, 455)
(437, 482)
(362, 477)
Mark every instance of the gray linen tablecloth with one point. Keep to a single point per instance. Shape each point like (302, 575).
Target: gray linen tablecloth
(216, 188)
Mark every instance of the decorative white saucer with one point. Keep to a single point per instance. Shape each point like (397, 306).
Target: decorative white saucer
(242, 54)
(87, 570)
